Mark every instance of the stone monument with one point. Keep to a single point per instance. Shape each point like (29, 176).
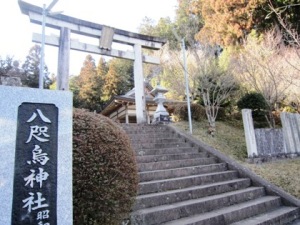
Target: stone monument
(36, 156)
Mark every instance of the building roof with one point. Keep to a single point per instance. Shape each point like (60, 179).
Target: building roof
(129, 98)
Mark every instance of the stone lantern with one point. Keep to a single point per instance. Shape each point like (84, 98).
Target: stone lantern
(161, 115)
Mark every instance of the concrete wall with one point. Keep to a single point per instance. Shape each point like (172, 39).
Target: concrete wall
(272, 142)
(269, 142)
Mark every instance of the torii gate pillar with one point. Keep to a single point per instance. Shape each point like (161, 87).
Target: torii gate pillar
(63, 65)
(140, 101)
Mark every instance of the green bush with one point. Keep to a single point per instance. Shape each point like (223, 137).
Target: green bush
(181, 112)
(254, 101)
(105, 176)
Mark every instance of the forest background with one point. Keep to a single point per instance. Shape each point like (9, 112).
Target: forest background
(238, 53)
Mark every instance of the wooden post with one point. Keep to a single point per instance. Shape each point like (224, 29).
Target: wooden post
(140, 104)
(63, 59)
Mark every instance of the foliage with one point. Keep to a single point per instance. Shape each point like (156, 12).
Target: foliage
(32, 70)
(229, 22)
(180, 112)
(104, 170)
(286, 14)
(119, 78)
(5, 65)
(263, 66)
(187, 24)
(216, 84)
(226, 22)
(95, 86)
(173, 77)
(254, 101)
(257, 103)
(88, 86)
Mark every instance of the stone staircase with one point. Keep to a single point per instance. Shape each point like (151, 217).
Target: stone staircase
(181, 184)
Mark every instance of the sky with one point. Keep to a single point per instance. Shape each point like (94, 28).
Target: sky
(16, 29)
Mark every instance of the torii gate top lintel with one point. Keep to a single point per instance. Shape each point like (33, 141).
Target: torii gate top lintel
(32, 11)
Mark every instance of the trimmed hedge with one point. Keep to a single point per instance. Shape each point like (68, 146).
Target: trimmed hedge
(105, 178)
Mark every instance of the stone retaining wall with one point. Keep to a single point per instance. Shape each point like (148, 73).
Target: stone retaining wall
(273, 142)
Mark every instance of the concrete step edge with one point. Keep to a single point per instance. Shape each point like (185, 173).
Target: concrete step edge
(175, 164)
(184, 194)
(160, 214)
(215, 216)
(181, 171)
(171, 148)
(184, 182)
(187, 177)
(179, 168)
(200, 200)
(191, 188)
(168, 157)
(272, 217)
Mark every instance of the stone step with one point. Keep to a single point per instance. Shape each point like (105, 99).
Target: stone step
(147, 131)
(166, 151)
(175, 164)
(171, 197)
(165, 213)
(282, 215)
(158, 140)
(158, 158)
(149, 138)
(138, 146)
(137, 127)
(179, 172)
(133, 133)
(184, 182)
(230, 214)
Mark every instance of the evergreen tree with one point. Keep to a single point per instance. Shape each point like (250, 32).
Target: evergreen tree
(229, 22)
(5, 65)
(87, 87)
(31, 68)
(119, 78)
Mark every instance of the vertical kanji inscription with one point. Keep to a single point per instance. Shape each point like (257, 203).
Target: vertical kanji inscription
(35, 178)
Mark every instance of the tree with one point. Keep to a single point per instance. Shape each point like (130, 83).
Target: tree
(119, 78)
(286, 14)
(229, 22)
(31, 68)
(87, 87)
(216, 85)
(6, 65)
(187, 23)
(263, 67)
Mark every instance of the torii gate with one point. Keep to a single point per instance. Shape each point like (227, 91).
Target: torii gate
(105, 35)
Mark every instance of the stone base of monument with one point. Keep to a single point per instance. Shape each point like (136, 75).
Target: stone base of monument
(161, 119)
(36, 156)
